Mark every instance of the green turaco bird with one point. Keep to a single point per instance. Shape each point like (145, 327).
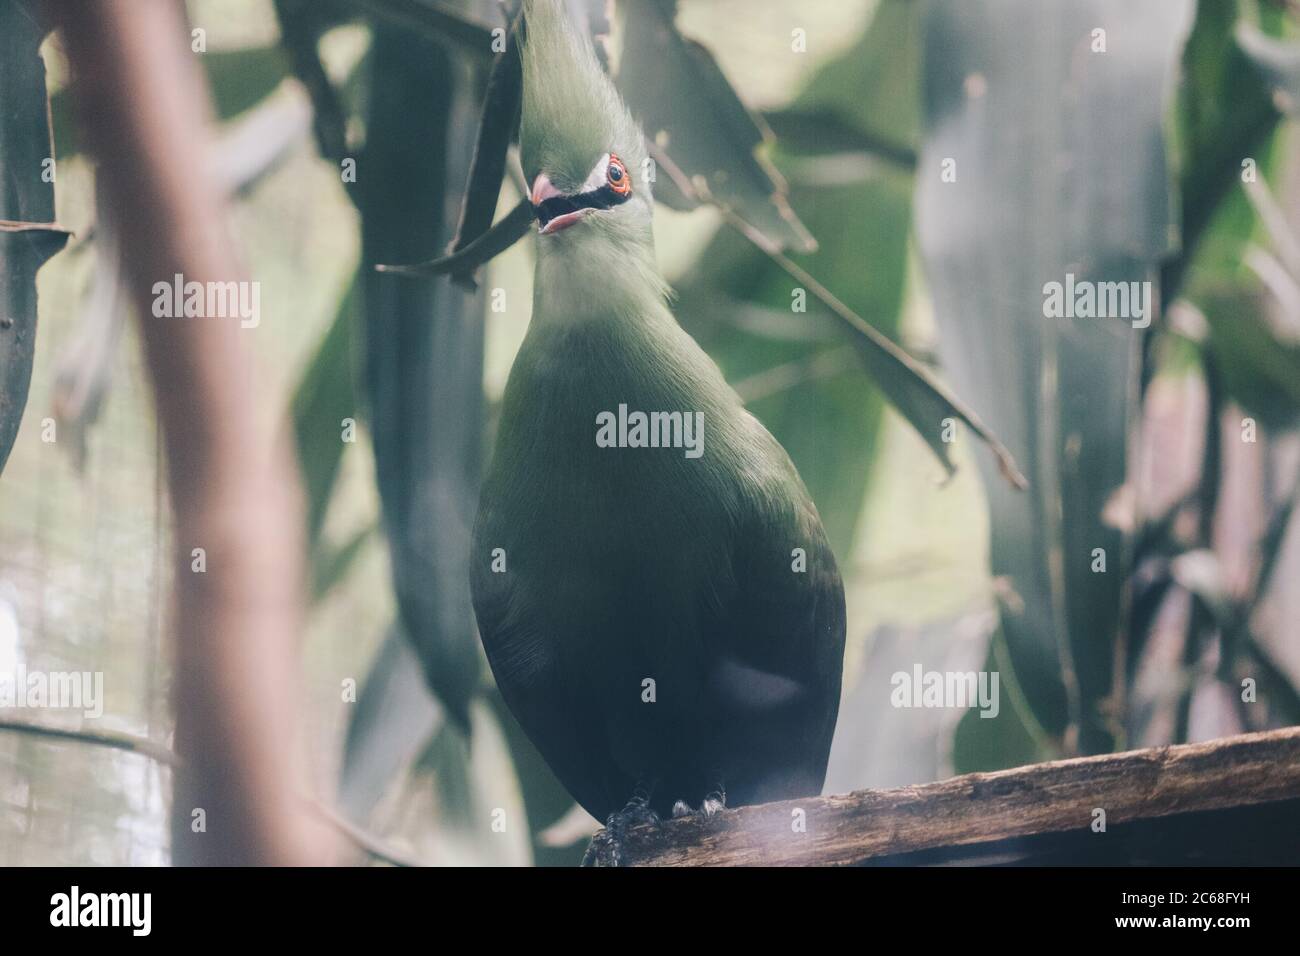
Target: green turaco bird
(653, 586)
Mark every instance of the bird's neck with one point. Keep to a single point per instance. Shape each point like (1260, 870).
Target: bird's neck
(583, 277)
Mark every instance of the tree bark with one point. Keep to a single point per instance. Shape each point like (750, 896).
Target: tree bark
(1230, 800)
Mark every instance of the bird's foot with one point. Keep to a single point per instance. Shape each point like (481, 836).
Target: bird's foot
(612, 848)
(715, 801)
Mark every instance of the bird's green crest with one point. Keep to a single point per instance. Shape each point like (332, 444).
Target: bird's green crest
(572, 114)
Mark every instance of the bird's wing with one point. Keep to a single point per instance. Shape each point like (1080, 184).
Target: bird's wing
(558, 714)
(777, 643)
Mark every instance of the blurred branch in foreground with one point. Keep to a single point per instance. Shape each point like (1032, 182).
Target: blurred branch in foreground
(145, 109)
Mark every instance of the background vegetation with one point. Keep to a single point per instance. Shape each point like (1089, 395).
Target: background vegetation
(1125, 166)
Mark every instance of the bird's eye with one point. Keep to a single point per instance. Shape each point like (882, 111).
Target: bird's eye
(616, 176)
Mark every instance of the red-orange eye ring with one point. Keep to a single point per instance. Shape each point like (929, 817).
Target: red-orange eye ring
(616, 176)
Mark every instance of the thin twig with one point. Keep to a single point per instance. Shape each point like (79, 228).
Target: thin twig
(490, 244)
(14, 225)
(99, 738)
(160, 753)
(771, 381)
(496, 129)
(363, 840)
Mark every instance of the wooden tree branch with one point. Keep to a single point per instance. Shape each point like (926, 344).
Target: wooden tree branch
(950, 817)
(500, 237)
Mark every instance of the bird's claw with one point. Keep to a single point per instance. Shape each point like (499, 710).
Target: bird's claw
(636, 813)
(608, 848)
(714, 803)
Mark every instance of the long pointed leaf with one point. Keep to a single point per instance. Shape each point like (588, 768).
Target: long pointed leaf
(424, 354)
(1060, 170)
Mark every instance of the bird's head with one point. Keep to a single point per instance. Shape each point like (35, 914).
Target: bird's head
(582, 152)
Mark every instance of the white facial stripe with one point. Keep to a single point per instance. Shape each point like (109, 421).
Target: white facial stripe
(597, 177)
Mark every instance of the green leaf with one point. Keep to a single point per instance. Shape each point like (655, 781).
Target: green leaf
(432, 20)
(1081, 187)
(423, 353)
(393, 719)
(237, 79)
(1277, 61)
(828, 424)
(28, 234)
(866, 98)
(85, 363)
(1260, 370)
(1225, 118)
(546, 798)
(839, 281)
(821, 132)
(324, 397)
(449, 784)
(1011, 739)
(330, 567)
(682, 99)
(824, 412)
(878, 744)
(478, 802)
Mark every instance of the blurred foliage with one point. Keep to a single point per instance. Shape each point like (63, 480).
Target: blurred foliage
(28, 235)
(238, 79)
(1277, 60)
(1062, 166)
(674, 88)
(1017, 213)
(1224, 118)
(325, 394)
(1259, 370)
(423, 352)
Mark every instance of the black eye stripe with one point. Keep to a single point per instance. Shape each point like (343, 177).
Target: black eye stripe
(602, 198)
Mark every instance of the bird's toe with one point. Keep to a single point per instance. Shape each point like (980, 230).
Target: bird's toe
(713, 804)
(608, 847)
(635, 814)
